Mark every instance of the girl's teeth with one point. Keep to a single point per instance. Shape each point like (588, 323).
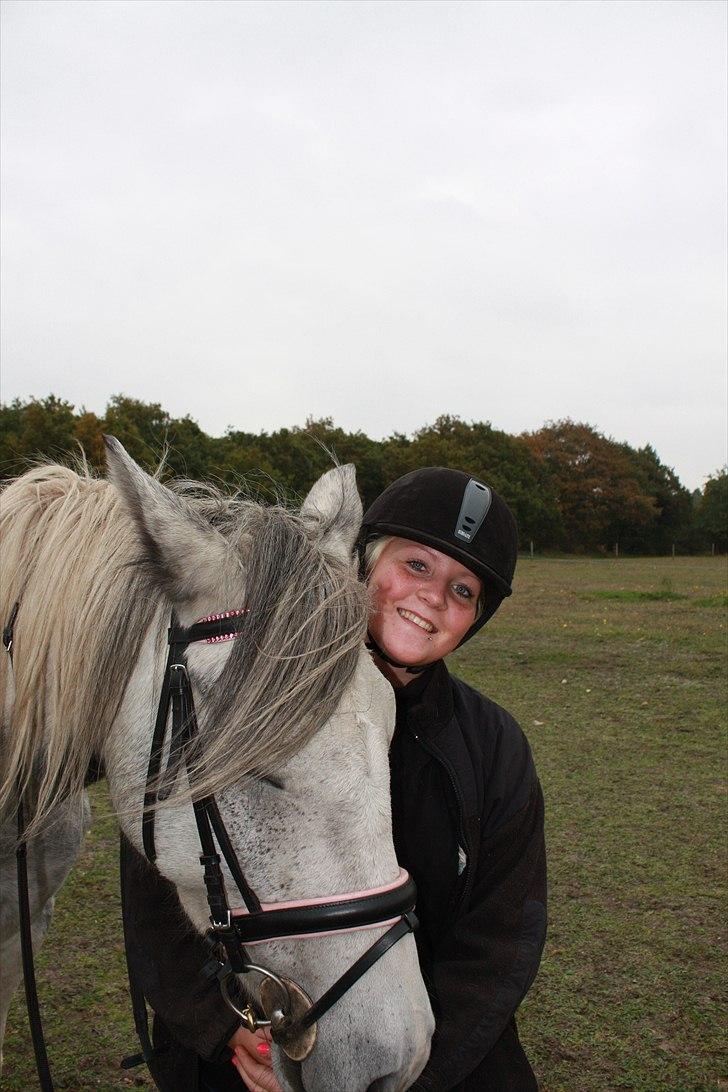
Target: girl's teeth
(417, 621)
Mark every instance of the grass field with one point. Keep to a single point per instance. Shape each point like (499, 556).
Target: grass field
(617, 672)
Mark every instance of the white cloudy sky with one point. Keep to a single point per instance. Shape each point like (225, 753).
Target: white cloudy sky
(376, 211)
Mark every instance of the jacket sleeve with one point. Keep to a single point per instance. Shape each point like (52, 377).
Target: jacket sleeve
(486, 963)
(166, 956)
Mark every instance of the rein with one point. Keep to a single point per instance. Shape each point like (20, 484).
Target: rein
(291, 1015)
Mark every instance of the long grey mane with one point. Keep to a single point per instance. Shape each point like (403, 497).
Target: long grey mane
(88, 595)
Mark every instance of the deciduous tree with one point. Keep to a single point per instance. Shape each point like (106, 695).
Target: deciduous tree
(599, 495)
(712, 511)
(40, 427)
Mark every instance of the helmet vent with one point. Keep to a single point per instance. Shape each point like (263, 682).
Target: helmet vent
(473, 510)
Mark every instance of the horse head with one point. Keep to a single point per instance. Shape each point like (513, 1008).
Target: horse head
(294, 729)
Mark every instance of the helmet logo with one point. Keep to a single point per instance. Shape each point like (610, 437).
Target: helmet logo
(473, 510)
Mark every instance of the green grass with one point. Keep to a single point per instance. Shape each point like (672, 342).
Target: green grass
(81, 980)
(713, 601)
(628, 596)
(624, 701)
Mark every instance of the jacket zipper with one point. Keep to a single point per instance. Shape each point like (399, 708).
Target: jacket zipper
(439, 757)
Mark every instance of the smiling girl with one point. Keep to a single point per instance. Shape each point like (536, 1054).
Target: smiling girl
(467, 811)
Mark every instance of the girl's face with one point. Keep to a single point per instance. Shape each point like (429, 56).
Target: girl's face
(423, 603)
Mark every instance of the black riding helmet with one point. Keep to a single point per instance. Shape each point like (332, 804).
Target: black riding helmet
(453, 513)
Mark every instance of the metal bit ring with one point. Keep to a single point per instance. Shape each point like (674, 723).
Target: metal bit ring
(248, 1014)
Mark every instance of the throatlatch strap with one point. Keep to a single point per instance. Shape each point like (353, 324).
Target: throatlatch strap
(155, 761)
(26, 935)
(26, 947)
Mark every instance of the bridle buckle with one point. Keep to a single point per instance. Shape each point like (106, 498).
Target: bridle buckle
(224, 926)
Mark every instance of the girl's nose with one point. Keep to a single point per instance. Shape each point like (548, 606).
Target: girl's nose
(433, 594)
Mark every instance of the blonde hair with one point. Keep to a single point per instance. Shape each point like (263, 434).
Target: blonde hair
(373, 551)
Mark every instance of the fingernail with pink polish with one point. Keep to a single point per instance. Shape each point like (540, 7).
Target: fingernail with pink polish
(263, 1048)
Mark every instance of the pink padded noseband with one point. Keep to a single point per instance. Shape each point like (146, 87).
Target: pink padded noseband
(329, 901)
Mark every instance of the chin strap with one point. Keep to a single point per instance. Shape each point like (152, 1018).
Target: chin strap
(372, 645)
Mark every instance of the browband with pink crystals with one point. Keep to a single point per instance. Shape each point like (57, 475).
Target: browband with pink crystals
(212, 629)
(221, 617)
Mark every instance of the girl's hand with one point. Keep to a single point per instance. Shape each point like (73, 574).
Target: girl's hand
(252, 1059)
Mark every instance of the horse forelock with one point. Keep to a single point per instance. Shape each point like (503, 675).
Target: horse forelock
(294, 657)
(72, 557)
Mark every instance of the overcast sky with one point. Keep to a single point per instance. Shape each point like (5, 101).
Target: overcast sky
(375, 211)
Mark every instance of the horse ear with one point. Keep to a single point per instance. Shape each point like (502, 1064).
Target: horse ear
(332, 510)
(186, 554)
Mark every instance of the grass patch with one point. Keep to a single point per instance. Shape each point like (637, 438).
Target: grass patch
(624, 702)
(712, 601)
(629, 596)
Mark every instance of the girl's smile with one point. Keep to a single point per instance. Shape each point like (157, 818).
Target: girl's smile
(423, 603)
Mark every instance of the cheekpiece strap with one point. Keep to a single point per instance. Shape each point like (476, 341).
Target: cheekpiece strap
(213, 628)
(408, 923)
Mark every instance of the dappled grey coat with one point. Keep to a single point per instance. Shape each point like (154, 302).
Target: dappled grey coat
(468, 824)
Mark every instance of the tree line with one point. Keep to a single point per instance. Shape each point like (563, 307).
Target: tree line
(571, 488)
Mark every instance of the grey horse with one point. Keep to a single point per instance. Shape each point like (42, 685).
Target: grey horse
(294, 719)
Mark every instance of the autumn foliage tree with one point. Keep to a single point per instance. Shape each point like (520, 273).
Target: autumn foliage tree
(600, 498)
(571, 488)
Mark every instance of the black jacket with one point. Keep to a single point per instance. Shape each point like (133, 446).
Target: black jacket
(468, 824)
(467, 814)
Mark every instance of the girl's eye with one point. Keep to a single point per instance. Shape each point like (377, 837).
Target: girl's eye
(417, 565)
(463, 591)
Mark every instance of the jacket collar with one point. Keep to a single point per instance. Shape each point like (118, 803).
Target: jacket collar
(428, 698)
(429, 707)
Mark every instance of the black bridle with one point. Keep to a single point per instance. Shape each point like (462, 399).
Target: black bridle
(391, 905)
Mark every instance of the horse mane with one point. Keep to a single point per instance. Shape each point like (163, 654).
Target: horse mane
(73, 560)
